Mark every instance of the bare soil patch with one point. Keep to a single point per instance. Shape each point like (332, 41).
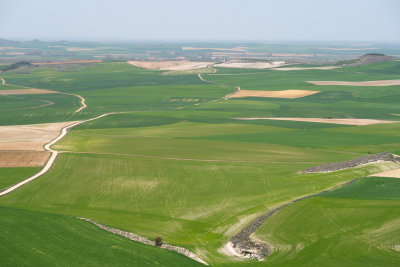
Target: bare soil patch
(292, 94)
(14, 53)
(79, 49)
(308, 68)
(238, 49)
(251, 65)
(291, 55)
(347, 49)
(390, 174)
(364, 83)
(29, 137)
(31, 91)
(67, 62)
(23, 158)
(170, 65)
(326, 120)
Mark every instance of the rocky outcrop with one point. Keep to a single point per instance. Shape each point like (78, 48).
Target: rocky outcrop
(368, 59)
(246, 246)
(331, 167)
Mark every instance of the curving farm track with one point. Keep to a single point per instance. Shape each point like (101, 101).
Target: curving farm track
(83, 104)
(53, 156)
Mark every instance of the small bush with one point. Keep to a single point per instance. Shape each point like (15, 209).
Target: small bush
(158, 241)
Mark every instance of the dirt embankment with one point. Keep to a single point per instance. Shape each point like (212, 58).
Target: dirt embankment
(363, 83)
(357, 122)
(307, 68)
(66, 62)
(170, 65)
(332, 167)
(251, 65)
(290, 94)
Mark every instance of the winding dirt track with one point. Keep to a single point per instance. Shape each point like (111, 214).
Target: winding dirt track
(49, 164)
(53, 156)
(44, 91)
(83, 104)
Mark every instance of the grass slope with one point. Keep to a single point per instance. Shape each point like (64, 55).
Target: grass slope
(357, 225)
(11, 176)
(107, 87)
(42, 239)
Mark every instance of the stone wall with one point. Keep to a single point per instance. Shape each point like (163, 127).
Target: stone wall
(146, 241)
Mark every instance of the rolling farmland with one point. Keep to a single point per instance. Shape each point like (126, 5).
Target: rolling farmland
(174, 161)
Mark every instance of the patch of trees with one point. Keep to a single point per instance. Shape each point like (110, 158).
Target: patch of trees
(17, 65)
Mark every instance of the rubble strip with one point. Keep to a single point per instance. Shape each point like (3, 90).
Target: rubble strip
(146, 241)
(332, 167)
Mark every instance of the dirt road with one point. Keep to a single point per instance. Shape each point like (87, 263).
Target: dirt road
(53, 156)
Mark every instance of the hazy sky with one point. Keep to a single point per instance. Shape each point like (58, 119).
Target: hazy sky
(249, 20)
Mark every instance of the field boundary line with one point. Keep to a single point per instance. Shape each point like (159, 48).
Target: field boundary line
(143, 240)
(237, 90)
(226, 97)
(189, 159)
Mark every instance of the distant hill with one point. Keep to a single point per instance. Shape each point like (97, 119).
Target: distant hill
(7, 42)
(367, 59)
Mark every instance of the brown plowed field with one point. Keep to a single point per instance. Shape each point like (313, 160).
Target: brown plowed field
(26, 92)
(364, 83)
(67, 62)
(358, 122)
(170, 65)
(291, 94)
(29, 137)
(23, 158)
